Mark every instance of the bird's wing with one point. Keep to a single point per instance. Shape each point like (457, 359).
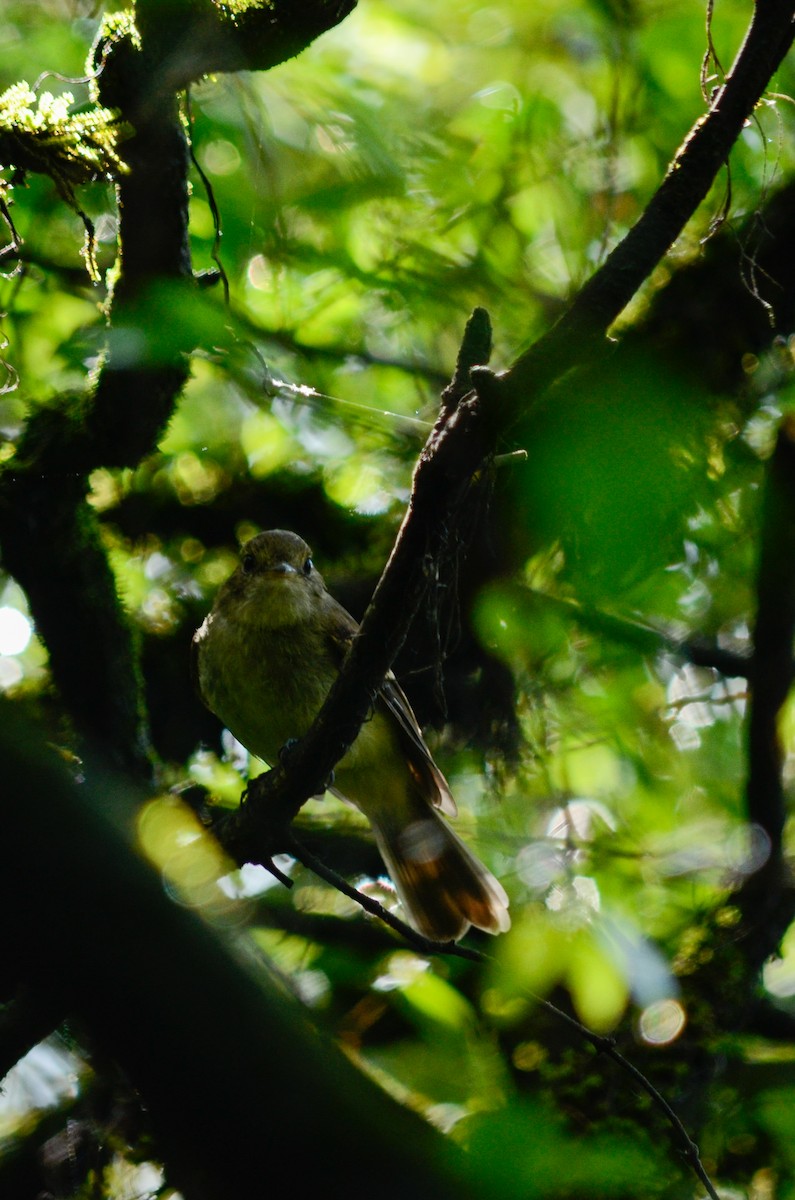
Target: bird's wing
(393, 700)
(431, 781)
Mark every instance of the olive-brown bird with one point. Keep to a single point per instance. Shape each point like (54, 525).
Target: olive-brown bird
(265, 659)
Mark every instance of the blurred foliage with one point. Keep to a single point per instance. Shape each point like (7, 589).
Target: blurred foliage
(418, 160)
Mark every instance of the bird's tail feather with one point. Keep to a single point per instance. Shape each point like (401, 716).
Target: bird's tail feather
(443, 887)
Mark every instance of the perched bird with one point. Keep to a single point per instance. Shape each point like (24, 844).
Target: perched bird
(265, 658)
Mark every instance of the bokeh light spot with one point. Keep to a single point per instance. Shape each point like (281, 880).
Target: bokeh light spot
(661, 1022)
(15, 631)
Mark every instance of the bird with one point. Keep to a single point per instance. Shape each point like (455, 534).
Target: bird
(264, 660)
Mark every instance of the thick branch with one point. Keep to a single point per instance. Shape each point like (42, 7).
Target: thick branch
(51, 545)
(202, 37)
(138, 71)
(774, 632)
(133, 396)
(236, 1082)
(49, 536)
(768, 902)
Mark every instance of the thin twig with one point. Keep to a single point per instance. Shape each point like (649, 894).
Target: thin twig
(606, 1045)
(424, 945)
(215, 253)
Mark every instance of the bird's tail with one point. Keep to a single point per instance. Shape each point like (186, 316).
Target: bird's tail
(443, 887)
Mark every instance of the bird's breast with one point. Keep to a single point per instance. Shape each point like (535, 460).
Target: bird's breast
(265, 685)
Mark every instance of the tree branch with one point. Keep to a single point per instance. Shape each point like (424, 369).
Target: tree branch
(193, 38)
(370, 905)
(51, 545)
(236, 1081)
(450, 458)
(774, 632)
(466, 433)
(49, 535)
(579, 334)
(767, 898)
(137, 71)
(606, 1046)
(647, 639)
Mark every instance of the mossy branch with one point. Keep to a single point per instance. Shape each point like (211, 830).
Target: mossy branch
(192, 38)
(44, 133)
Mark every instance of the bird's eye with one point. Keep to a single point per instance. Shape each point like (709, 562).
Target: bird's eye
(308, 566)
(247, 563)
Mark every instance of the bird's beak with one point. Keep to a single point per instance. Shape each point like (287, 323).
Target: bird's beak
(283, 568)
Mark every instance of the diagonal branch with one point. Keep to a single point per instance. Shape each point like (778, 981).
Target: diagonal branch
(234, 1101)
(450, 458)
(470, 425)
(580, 332)
(606, 1046)
(373, 907)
